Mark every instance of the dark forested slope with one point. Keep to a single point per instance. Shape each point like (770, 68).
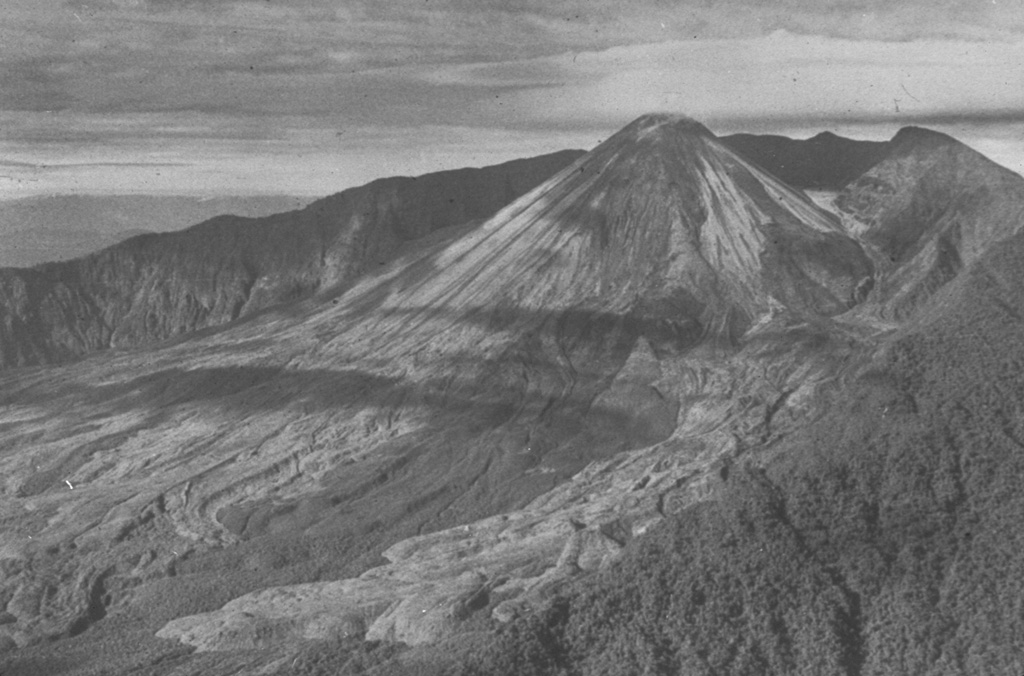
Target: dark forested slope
(884, 539)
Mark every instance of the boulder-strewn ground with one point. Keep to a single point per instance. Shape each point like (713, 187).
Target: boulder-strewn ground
(651, 416)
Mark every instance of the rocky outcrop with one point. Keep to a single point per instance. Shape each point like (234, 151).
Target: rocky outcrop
(156, 286)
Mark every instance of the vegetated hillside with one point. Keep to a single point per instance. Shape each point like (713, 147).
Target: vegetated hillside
(886, 538)
(931, 207)
(156, 286)
(50, 228)
(823, 162)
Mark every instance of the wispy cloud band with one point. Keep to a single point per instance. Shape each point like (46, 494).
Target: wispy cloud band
(129, 79)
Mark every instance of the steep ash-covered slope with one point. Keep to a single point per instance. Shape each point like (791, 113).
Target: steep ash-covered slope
(494, 414)
(157, 286)
(823, 162)
(930, 208)
(661, 221)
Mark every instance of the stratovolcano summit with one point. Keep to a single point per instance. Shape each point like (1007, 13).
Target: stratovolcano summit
(661, 376)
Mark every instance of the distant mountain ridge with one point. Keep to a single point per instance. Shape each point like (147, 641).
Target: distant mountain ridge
(156, 286)
(823, 162)
(50, 228)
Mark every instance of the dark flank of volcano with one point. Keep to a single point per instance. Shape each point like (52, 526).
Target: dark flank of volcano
(644, 410)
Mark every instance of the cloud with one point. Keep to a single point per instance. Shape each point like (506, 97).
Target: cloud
(237, 76)
(779, 76)
(512, 62)
(188, 153)
(118, 46)
(34, 84)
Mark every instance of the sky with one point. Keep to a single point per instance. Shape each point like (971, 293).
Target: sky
(309, 97)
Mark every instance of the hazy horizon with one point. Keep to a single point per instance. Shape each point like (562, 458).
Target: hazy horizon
(300, 175)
